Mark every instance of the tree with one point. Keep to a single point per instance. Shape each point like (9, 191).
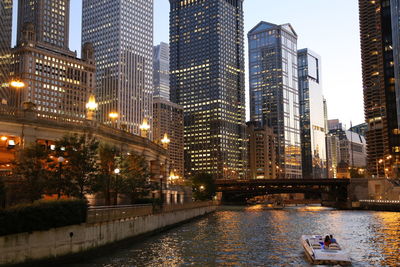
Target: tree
(30, 167)
(107, 156)
(203, 186)
(80, 167)
(136, 174)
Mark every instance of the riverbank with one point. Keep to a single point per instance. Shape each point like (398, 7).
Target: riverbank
(255, 236)
(103, 228)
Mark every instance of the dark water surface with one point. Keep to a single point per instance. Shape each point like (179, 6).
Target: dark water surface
(255, 236)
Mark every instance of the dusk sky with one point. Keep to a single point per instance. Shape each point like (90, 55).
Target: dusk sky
(329, 28)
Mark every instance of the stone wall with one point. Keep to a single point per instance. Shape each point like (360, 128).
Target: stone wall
(62, 241)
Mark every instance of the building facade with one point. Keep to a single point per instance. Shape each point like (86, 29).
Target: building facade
(274, 95)
(207, 79)
(5, 48)
(312, 119)
(51, 20)
(161, 70)
(262, 151)
(122, 35)
(379, 38)
(55, 81)
(333, 154)
(168, 119)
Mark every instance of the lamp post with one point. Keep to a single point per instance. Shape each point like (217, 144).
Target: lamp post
(91, 107)
(144, 128)
(17, 84)
(116, 189)
(60, 161)
(165, 141)
(113, 116)
(161, 190)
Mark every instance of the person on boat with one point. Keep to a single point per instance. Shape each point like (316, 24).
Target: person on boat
(333, 240)
(327, 241)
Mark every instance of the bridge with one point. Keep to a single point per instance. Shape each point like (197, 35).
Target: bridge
(238, 191)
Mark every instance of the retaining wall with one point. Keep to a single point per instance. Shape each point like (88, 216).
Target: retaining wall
(25, 247)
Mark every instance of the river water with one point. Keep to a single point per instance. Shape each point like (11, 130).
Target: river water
(257, 236)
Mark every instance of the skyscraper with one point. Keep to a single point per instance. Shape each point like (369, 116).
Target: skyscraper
(379, 51)
(161, 70)
(57, 82)
(51, 20)
(122, 35)
(274, 95)
(312, 121)
(168, 119)
(5, 47)
(207, 79)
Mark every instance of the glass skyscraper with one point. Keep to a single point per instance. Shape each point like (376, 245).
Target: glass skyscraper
(122, 35)
(5, 48)
(161, 70)
(207, 79)
(379, 28)
(274, 95)
(312, 121)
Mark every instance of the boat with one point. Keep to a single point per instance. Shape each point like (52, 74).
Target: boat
(317, 253)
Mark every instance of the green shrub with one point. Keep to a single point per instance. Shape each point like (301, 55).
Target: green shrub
(42, 215)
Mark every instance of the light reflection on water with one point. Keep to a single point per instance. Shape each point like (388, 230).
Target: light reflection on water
(254, 236)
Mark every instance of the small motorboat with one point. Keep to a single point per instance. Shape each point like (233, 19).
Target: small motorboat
(317, 253)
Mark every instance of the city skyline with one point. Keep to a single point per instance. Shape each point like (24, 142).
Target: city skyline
(339, 78)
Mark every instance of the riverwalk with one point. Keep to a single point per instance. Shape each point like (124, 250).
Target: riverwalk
(104, 226)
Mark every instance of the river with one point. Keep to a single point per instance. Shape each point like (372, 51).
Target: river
(256, 236)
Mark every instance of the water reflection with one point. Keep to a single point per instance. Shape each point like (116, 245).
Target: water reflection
(255, 236)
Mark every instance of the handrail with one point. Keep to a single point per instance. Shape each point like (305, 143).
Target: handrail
(118, 206)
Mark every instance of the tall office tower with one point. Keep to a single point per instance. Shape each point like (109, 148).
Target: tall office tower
(274, 95)
(395, 14)
(333, 154)
(161, 70)
(168, 119)
(378, 39)
(122, 35)
(51, 20)
(207, 79)
(5, 48)
(262, 151)
(312, 120)
(56, 81)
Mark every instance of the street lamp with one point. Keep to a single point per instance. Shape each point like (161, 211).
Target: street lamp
(113, 116)
(202, 187)
(60, 161)
(117, 171)
(91, 107)
(17, 84)
(144, 128)
(165, 141)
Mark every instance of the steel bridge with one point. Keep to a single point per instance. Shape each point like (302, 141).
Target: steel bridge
(238, 191)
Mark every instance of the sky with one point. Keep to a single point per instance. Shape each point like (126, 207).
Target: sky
(328, 27)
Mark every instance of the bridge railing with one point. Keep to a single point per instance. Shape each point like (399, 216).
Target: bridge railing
(98, 214)
(113, 213)
(190, 205)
